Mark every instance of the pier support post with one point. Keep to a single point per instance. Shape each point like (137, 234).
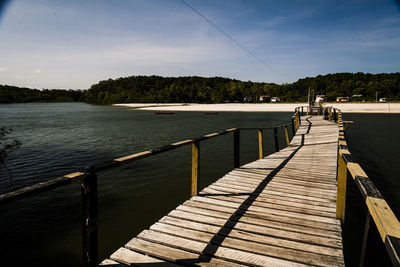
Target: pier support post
(236, 149)
(276, 139)
(287, 136)
(89, 218)
(341, 188)
(195, 168)
(260, 144)
(364, 243)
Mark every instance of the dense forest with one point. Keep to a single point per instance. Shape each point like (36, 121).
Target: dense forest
(13, 94)
(156, 89)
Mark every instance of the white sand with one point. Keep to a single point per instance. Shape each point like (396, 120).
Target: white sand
(367, 107)
(267, 107)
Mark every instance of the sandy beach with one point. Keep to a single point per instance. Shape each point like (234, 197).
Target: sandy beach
(264, 107)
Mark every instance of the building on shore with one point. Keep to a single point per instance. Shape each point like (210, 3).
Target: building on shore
(265, 98)
(275, 99)
(320, 98)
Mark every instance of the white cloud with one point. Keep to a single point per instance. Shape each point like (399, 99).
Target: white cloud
(3, 69)
(38, 71)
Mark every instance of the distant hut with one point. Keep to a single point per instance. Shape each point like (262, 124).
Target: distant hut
(275, 99)
(265, 98)
(342, 99)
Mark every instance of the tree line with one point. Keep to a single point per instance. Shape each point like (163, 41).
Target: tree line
(156, 89)
(193, 89)
(14, 94)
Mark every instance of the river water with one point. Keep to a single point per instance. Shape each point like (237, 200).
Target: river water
(59, 138)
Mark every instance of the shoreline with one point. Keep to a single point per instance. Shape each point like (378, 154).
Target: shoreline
(261, 107)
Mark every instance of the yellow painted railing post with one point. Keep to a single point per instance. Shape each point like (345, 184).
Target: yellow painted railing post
(287, 136)
(330, 113)
(308, 110)
(195, 168)
(341, 188)
(236, 148)
(297, 121)
(260, 144)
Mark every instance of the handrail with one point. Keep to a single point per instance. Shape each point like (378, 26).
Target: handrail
(88, 179)
(382, 215)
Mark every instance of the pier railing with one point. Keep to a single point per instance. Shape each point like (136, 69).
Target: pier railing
(88, 179)
(377, 208)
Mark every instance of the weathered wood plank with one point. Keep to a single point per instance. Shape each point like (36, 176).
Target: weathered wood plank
(271, 190)
(254, 225)
(130, 257)
(272, 203)
(258, 214)
(265, 208)
(248, 246)
(251, 236)
(267, 198)
(176, 255)
(217, 251)
(331, 241)
(110, 263)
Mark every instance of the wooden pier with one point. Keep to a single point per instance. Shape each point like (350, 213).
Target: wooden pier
(286, 209)
(277, 211)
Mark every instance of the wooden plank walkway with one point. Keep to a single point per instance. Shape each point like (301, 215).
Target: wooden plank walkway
(276, 211)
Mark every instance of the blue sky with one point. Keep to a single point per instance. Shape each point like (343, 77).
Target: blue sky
(74, 44)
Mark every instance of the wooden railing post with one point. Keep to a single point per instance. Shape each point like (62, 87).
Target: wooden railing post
(330, 113)
(260, 144)
(299, 117)
(334, 115)
(236, 148)
(293, 127)
(287, 136)
(302, 111)
(341, 188)
(195, 168)
(308, 110)
(276, 139)
(89, 218)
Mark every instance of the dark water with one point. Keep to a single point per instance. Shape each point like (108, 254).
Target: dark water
(65, 137)
(373, 141)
